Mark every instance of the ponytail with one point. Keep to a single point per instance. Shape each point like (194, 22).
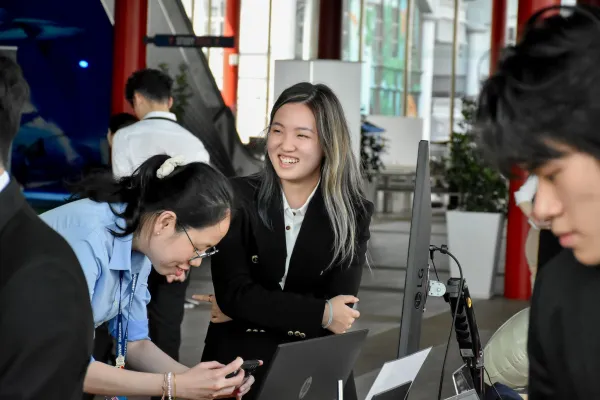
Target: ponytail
(198, 194)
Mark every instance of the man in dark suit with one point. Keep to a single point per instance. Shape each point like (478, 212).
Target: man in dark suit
(46, 325)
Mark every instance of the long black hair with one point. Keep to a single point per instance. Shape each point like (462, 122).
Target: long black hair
(341, 182)
(197, 193)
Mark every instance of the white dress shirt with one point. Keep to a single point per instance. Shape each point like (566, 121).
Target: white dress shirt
(4, 180)
(136, 143)
(293, 222)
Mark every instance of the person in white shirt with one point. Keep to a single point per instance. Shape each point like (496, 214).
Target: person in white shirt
(149, 91)
(524, 198)
(158, 132)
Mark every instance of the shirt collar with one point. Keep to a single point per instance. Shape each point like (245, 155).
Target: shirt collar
(120, 259)
(122, 253)
(302, 210)
(160, 114)
(4, 180)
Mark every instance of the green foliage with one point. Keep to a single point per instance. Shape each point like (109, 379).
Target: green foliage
(372, 146)
(480, 188)
(181, 89)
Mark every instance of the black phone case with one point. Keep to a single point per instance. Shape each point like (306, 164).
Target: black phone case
(248, 366)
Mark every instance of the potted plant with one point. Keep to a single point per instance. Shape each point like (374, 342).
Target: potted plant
(372, 146)
(181, 90)
(476, 224)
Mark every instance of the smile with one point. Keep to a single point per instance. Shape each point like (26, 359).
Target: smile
(288, 160)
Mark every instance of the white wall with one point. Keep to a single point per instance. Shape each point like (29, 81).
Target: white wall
(344, 78)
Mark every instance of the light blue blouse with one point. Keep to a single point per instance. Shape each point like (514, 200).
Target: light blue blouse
(85, 225)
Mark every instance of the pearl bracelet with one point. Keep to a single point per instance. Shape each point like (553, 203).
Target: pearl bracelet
(330, 320)
(167, 386)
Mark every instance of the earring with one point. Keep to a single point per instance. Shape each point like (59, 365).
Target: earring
(158, 233)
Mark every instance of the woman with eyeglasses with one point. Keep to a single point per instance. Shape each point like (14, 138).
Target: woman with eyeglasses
(291, 265)
(168, 215)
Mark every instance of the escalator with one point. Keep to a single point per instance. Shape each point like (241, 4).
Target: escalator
(206, 115)
(65, 50)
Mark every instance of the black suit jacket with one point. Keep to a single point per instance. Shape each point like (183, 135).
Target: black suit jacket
(46, 325)
(250, 264)
(564, 322)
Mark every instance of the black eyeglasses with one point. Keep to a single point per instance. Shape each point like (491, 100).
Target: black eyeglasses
(207, 253)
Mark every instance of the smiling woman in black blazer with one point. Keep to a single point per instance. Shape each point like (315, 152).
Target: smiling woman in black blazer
(295, 251)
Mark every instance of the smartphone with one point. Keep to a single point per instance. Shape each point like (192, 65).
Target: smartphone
(248, 366)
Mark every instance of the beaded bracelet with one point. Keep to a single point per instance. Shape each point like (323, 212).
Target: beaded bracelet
(174, 387)
(167, 386)
(330, 320)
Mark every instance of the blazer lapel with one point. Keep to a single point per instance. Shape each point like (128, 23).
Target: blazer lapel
(312, 250)
(272, 241)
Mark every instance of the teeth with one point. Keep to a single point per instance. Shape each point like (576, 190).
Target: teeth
(288, 160)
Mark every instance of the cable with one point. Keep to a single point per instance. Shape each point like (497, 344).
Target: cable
(431, 252)
(444, 250)
(492, 384)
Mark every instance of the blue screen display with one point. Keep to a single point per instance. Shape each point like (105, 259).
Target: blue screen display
(65, 50)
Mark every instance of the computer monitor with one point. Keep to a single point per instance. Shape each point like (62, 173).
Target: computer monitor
(417, 267)
(311, 369)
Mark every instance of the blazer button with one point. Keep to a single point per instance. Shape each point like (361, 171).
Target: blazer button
(302, 335)
(287, 228)
(255, 330)
(290, 333)
(262, 331)
(255, 259)
(297, 333)
(248, 330)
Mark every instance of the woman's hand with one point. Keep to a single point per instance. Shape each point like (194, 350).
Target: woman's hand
(343, 316)
(216, 315)
(208, 381)
(246, 386)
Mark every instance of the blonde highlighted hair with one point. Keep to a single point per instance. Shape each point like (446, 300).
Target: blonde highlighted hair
(341, 179)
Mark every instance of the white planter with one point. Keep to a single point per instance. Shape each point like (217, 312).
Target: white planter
(474, 238)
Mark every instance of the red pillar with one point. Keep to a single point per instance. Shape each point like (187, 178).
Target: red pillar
(497, 33)
(129, 49)
(231, 56)
(517, 283)
(330, 29)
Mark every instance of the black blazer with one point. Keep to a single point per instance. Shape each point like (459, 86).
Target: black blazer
(250, 264)
(46, 325)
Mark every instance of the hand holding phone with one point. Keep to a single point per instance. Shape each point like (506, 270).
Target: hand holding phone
(248, 366)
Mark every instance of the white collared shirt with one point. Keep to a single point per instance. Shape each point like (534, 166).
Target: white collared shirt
(136, 143)
(293, 221)
(4, 180)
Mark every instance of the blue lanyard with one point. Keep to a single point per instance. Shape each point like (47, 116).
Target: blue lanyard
(122, 335)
